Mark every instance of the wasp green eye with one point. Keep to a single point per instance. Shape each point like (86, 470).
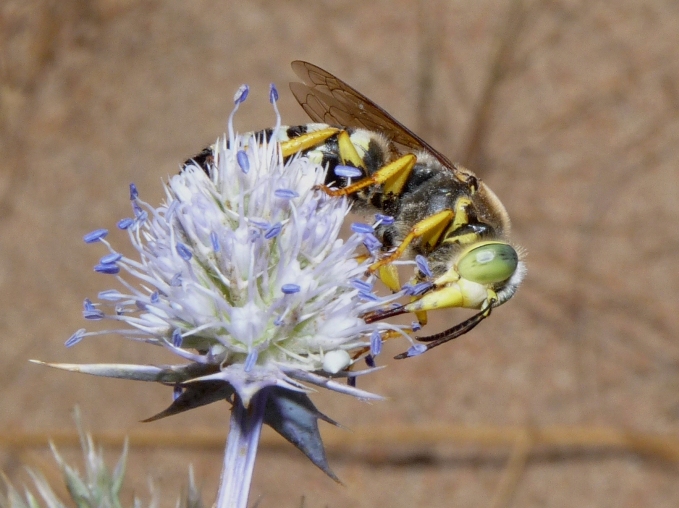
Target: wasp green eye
(489, 263)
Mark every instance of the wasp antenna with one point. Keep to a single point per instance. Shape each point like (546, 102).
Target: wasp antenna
(379, 316)
(452, 333)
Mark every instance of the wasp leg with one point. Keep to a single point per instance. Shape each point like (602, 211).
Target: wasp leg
(454, 332)
(459, 294)
(357, 354)
(387, 335)
(347, 151)
(393, 177)
(421, 316)
(459, 232)
(306, 141)
(429, 230)
(388, 274)
(461, 215)
(463, 294)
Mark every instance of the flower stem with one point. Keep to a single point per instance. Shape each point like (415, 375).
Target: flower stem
(241, 450)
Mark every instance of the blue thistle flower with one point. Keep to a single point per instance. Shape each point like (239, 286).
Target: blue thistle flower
(241, 273)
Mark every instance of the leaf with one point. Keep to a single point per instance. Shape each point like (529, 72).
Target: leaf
(196, 395)
(161, 374)
(294, 416)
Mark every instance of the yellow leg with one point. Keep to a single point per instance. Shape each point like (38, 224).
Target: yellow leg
(357, 354)
(394, 183)
(461, 220)
(391, 334)
(393, 173)
(388, 274)
(421, 316)
(386, 335)
(362, 257)
(306, 141)
(461, 215)
(429, 229)
(464, 294)
(347, 151)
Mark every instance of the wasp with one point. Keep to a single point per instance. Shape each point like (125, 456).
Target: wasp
(441, 210)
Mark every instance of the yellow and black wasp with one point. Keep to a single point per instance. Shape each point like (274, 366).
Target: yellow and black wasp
(441, 210)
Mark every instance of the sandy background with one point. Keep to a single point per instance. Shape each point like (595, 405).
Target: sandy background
(568, 109)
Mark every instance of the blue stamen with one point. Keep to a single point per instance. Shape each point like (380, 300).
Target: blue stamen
(370, 361)
(214, 241)
(110, 259)
(110, 295)
(107, 269)
(176, 281)
(184, 252)
(416, 350)
(371, 242)
(384, 220)
(273, 231)
(241, 94)
(423, 266)
(273, 93)
(421, 288)
(273, 98)
(177, 392)
(348, 171)
(177, 338)
(171, 209)
(364, 295)
(251, 360)
(286, 193)
(259, 223)
(290, 289)
(134, 193)
(95, 236)
(417, 289)
(238, 98)
(243, 161)
(136, 209)
(278, 321)
(375, 343)
(75, 338)
(88, 305)
(125, 223)
(143, 215)
(361, 285)
(359, 227)
(93, 315)
(415, 326)
(155, 297)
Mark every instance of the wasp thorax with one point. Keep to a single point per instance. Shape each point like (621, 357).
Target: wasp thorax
(488, 263)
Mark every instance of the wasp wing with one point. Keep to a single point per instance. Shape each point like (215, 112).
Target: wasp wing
(328, 99)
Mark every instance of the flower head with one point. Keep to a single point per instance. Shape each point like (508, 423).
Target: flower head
(242, 274)
(242, 264)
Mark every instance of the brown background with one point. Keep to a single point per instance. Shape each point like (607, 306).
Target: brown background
(568, 109)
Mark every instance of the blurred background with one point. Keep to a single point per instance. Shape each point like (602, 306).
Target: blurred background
(568, 109)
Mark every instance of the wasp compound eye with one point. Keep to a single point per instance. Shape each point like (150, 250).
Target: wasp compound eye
(489, 263)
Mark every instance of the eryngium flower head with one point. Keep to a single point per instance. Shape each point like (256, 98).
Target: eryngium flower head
(241, 272)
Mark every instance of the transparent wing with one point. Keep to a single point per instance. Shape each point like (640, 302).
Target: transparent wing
(328, 99)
